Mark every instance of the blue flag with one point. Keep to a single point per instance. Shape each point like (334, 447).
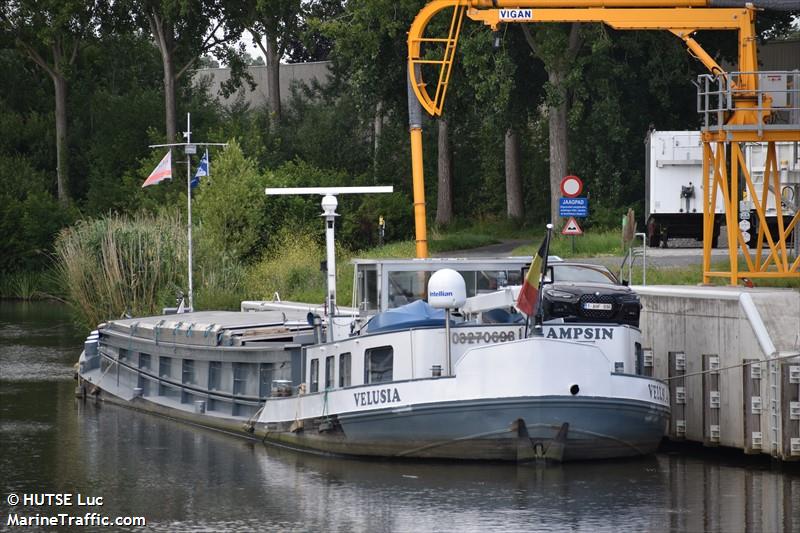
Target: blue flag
(202, 171)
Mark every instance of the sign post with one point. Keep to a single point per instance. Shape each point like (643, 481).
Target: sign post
(572, 205)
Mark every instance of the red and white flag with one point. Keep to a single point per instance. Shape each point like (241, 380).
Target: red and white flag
(162, 172)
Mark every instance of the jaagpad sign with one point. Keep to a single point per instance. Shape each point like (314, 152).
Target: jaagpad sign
(573, 207)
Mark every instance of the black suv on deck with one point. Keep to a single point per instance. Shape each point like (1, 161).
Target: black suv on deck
(580, 292)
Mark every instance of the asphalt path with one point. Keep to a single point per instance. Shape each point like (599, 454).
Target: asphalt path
(681, 253)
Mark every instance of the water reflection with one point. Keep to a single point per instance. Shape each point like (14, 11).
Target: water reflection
(184, 478)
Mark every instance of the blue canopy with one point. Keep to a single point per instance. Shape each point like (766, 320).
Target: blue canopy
(417, 314)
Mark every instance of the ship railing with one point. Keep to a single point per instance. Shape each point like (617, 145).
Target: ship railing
(776, 100)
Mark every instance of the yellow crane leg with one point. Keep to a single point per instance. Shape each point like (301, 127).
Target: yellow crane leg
(419, 192)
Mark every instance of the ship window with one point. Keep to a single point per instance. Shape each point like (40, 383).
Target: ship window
(188, 371)
(470, 281)
(123, 354)
(265, 380)
(406, 287)
(214, 375)
(367, 289)
(378, 364)
(490, 280)
(164, 371)
(329, 370)
(144, 382)
(639, 358)
(344, 370)
(240, 375)
(164, 367)
(314, 378)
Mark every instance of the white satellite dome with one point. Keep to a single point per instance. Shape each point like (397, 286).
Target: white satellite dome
(446, 289)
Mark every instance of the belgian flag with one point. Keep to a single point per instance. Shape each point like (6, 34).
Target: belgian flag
(528, 299)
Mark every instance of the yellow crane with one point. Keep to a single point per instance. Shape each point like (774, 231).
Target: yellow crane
(736, 110)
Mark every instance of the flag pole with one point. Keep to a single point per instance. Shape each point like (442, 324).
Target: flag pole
(188, 135)
(538, 329)
(190, 148)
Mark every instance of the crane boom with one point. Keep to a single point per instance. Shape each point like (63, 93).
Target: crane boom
(680, 17)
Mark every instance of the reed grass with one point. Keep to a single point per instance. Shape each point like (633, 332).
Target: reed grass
(290, 270)
(36, 285)
(117, 265)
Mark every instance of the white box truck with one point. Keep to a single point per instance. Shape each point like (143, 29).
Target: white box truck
(674, 186)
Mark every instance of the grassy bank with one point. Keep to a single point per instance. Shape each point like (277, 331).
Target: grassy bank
(116, 266)
(43, 285)
(595, 244)
(608, 244)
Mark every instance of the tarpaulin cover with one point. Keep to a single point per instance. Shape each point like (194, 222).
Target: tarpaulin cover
(417, 314)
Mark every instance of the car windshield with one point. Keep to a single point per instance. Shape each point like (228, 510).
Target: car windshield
(582, 273)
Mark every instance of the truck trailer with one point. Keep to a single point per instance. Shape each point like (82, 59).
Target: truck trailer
(674, 187)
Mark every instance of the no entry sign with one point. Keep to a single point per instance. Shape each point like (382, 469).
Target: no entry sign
(571, 186)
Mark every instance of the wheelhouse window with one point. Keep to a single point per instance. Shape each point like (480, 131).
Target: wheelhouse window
(329, 371)
(378, 364)
(406, 287)
(344, 369)
(313, 380)
(367, 288)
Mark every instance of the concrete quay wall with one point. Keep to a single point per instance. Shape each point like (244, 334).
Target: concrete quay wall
(732, 359)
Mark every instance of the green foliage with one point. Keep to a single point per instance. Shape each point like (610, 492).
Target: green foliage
(591, 244)
(619, 84)
(35, 285)
(230, 205)
(30, 217)
(291, 269)
(117, 265)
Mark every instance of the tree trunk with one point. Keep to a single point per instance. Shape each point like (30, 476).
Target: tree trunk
(377, 131)
(444, 200)
(514, 209)
(559, 146)
(169, 95)
(163, 34)
(273, 79)
(557, 69)
(62, 170)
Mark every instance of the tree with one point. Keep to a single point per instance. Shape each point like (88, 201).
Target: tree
(508, 88)
(184, 31)
(273, 24)
(556, 46)
(50, 33)
(444, 197)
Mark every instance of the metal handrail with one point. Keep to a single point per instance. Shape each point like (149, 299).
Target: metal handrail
(631, 254)
(719, 94)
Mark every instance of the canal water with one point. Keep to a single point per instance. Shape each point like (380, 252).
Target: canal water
(183, 478)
